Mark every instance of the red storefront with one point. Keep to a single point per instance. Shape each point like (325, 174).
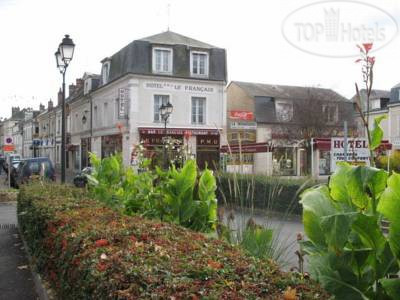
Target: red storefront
(205, 142)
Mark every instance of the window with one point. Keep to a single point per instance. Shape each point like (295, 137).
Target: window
(199, 63)
(162, 60)
(105, 72)
(158, 101)
(95, 116)
(284, 111)
(376, 104)
(105, 112)
(58, 126)
(331, 113)
(198, 110)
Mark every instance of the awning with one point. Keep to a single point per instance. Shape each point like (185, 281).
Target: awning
(247, 148)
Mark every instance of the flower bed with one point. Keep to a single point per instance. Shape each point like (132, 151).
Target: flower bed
(88, 251)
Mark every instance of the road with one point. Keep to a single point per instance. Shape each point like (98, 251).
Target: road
(286, 230)
(16, 282)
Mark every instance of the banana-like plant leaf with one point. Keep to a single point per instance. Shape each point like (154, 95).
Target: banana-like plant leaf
(389, 206)
(377, 132)
(391, 287)
(316, 204)
(338, 181)
(336, 229)
(370, 233)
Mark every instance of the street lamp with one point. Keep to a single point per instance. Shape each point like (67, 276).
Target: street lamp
(166, 110)
(64, 55)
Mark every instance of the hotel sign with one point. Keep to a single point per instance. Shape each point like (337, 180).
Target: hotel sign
(179, 87)
(357, 152)
(123, 98)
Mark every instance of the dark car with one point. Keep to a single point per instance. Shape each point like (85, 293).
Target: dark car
(16, 166)
(80, 180)
(38, 166)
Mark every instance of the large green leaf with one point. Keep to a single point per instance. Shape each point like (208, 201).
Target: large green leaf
(389, 206)
(316, 204)
(338, 181)
(370, 233)
(377, 132)
(391, 287)
(364, 182)
(323, 269)
(336, 229)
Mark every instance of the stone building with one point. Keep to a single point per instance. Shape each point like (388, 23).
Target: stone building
(276, 125)
(120, 109)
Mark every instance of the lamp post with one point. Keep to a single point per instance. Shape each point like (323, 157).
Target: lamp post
(64, 55)
(166, 110)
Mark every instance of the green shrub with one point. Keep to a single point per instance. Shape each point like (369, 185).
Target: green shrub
(183, 196)
(90, 251)
(264, 192)
(394, 163)
(349, 252)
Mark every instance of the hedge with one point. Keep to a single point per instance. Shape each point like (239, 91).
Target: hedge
(264, 192)
(88, 251)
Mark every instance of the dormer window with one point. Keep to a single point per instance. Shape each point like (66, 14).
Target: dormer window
(376, 104)
(199, 63)
(105, 71)
(162, 60)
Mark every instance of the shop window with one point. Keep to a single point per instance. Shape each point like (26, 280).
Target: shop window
(284, 161)
(324, 162)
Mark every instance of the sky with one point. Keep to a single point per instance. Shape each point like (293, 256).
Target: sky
(276, 42)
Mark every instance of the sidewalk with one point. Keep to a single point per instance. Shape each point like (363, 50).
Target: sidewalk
(16, 280)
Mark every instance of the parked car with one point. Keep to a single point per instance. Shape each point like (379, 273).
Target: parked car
(38, 166)
(16, 166)
(10, 157)
(80, 180)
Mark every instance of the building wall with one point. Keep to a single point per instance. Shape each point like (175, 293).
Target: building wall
(394, 125)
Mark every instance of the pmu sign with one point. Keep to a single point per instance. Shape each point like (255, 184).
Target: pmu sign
(357, 152)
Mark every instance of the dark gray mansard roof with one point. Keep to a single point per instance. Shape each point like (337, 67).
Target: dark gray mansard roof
(288, 92)
(136, 57)
(172, 38)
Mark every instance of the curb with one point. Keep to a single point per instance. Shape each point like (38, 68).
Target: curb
(37, 279)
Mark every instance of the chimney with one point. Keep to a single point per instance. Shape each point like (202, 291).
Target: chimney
(59, 97)
(50, 105)
(41, 107)
(71, 90)
(14, 111)
(79, 83)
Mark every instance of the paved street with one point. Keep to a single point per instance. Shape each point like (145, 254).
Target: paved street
(286, 229)
(16, 281)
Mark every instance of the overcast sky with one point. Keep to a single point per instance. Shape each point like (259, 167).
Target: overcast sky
(261, 45)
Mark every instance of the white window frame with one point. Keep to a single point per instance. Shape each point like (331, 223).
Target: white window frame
(170, 63)
(336, 116)
(206, 66)
(154, 107)
(376, 104)
(105, 72)
(204, 110)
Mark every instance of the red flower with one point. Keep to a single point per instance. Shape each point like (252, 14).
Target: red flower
(101, 243)
(101, 267)
(64, 244)
(367, 47)
(371, 59)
